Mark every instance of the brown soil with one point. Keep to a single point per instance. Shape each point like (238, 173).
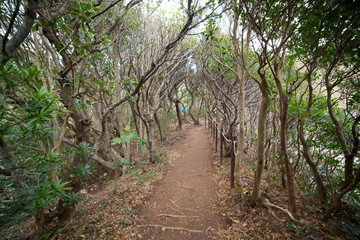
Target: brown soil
(184, 204)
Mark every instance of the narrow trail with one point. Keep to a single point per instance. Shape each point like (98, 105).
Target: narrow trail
(183, 205)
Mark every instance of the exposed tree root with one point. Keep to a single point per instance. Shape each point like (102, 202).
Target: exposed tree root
(266, 203)
(176, 210)
(174, 203)
(275, 216)
(172, 228)
(175, 216)
(188, 209)
(185, 186)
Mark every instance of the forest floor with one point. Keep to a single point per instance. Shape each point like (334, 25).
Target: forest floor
(187, 195)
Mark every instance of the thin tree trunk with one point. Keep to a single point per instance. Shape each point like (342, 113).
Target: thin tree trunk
(265, 102)
(349, 157)
(166, 118)
(190, 110)
(158, 123)
(195, 120)
(149, 125)
(135, 117)
(178, 114)
(283, 151)
(241, 141)
(199, 111)
(241, 62)
(284, 106)
(273, 142)
(318, 180)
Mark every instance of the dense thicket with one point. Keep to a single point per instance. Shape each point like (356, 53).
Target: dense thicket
(85, 85)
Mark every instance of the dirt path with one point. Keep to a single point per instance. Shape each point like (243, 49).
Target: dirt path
(184, 204)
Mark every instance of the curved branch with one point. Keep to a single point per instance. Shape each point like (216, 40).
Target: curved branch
(106, 9)
(11, 24)
(22, 32)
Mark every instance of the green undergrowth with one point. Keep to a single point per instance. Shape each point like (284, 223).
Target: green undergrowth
(110, 213)
(245, 222)
(108, 206)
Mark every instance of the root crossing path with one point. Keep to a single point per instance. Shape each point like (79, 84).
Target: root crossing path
(183, 205)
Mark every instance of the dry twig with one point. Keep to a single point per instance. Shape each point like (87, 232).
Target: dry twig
(171, 228)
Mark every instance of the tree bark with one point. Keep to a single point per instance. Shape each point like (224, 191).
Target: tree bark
(9, 47)
(40, 223)
(284, 106)
(135, 117)
(150, 138)
(158, 123)
(265, 102)
(190, 110)
(178, 114)
(273, 142)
